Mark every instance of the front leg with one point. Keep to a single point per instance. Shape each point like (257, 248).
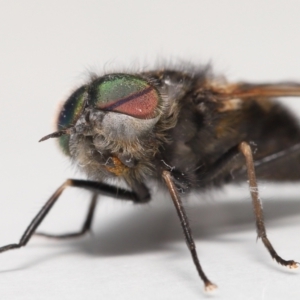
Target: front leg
(143, 196)
(96, 187)
(86, 227)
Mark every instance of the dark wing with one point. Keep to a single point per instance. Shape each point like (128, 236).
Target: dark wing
(246, 90)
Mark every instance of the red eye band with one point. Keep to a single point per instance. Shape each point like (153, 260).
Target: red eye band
(140, 104)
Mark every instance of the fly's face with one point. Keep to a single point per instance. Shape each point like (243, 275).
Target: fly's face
(110, 126)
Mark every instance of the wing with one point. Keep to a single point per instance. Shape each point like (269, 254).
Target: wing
(246, 90)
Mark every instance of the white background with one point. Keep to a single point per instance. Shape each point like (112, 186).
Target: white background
(47, 49)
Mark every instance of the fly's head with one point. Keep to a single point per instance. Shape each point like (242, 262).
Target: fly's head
(114, 126)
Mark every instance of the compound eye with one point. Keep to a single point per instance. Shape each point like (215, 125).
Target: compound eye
(126, 94)
(69, 114)
(72, 109)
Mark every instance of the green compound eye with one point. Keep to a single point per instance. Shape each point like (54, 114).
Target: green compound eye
(125, 94)
(69, 114)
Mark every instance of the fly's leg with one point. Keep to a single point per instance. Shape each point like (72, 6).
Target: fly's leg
(96, 187)
(209, 286)
(245, 149)
(85, 228)
(140, 189)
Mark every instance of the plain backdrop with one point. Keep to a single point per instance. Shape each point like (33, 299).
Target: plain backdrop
(48, 48)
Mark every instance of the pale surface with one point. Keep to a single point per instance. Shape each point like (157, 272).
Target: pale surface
(46, 49)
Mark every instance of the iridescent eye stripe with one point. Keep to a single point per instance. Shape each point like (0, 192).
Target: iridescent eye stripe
(127, 99)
